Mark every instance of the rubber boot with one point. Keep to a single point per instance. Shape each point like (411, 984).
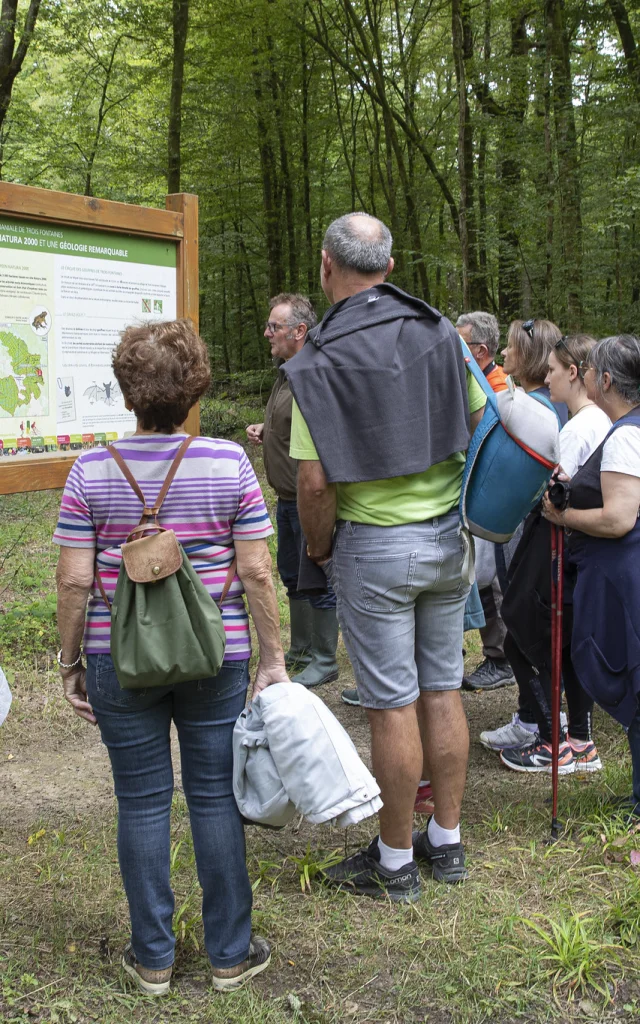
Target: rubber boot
(301, 630)
(323, 667)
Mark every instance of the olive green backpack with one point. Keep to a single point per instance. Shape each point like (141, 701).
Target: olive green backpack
(165, 626)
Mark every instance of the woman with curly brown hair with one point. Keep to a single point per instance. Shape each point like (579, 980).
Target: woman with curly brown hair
(217, 511)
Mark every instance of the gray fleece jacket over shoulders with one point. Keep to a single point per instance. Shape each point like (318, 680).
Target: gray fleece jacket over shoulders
(381, 384)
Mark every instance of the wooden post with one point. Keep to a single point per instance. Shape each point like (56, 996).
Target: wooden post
(188, 297)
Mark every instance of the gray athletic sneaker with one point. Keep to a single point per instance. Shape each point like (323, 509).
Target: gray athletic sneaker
(514, 735)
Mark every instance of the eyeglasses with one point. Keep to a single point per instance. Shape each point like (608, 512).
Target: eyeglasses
(528, 326)
(562, 343)
(272, 326)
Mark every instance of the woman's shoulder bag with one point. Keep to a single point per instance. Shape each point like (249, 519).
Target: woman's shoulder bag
(165, 626)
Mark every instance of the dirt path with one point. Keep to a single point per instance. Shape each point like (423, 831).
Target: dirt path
(60, 770)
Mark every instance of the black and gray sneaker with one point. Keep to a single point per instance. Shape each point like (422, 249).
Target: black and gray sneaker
(491, 674)
(350, 696)
(447, 862)
(364, 875)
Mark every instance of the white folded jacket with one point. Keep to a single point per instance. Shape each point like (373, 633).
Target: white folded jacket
(291, 755)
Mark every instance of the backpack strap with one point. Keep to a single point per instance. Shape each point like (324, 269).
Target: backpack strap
(477, 373)
(131, 480)
(147, 513)
(228, 580)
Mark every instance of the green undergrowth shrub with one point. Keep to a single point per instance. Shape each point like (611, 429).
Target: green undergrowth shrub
(29, 628)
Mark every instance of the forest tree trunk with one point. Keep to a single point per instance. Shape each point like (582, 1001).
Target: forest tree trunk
(180, 29)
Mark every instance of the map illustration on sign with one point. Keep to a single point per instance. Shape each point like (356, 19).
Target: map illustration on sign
(24, 366)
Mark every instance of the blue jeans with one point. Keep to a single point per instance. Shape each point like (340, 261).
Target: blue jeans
(135, 727)
(288, 559)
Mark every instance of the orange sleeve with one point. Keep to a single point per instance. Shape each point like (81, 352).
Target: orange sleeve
(497, 379)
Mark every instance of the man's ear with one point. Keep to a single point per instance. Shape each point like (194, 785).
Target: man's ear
(326, 263)
(390, 265)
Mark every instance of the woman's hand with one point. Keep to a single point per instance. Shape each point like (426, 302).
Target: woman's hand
(550, 512)
(268, 674)
(75, 691)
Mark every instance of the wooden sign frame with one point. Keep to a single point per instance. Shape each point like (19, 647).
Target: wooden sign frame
(179, 221)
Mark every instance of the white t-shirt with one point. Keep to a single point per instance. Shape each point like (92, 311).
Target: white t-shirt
(580, 437)
(621, 453)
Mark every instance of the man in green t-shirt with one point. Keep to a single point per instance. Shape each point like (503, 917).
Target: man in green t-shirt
(382, 382)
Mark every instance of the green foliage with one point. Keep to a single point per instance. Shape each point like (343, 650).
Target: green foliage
(294, 113)
(29, 628)
(578, 958)
(220, 418)
(312, 863)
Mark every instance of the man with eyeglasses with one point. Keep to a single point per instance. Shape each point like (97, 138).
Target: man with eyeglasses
(314, 626)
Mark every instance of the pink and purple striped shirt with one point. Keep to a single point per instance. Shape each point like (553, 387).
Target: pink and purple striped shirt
(214, 500)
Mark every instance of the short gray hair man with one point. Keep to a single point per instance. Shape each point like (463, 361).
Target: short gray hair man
(482, 329)
(360, 242)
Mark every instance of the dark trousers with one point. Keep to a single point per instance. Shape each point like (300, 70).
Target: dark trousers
(494, 631)
(535, 692)
(288, 559)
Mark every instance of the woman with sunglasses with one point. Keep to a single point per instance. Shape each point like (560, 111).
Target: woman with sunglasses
(526, 357)
(603, 524)
(586, 429)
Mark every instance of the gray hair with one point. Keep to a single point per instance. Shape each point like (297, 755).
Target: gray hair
(619, 356)
(365, 248)
(484, 329)
(302, 312)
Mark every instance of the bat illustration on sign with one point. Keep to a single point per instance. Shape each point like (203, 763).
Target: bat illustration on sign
(108, 393)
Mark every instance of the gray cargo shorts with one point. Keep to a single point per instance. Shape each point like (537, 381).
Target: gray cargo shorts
(401, 592)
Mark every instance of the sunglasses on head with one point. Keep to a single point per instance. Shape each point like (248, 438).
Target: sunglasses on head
(528, 326)
(562, 343)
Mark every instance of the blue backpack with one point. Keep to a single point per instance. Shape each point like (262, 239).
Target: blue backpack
(510, 459)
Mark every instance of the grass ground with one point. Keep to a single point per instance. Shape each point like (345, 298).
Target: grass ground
(539, 932)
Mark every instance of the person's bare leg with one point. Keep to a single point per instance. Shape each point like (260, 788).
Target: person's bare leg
(426, 767)
(445, 736)
(396, 753)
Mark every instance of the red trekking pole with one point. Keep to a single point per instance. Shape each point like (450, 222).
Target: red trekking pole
(557, 596)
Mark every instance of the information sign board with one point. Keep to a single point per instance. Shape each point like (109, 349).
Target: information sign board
(74, 272)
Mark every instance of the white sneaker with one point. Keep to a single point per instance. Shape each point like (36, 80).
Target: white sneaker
(513, 736)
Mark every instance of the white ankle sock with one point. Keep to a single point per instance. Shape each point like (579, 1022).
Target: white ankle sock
(392, 859)
(424, 782)
(439, 836)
